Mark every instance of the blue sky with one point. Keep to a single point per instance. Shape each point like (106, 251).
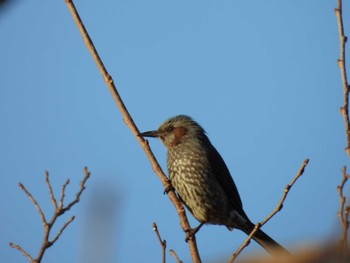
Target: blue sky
(260, 76)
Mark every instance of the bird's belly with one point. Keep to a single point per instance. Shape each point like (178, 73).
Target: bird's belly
(203, 197)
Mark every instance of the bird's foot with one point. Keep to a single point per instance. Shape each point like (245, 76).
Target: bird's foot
(168, 187)
(191, 232)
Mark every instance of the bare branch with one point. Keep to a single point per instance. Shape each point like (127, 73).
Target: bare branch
(31, 198)
(343, 212)
(59, 210)
(22, 251)
(162, 242)
(52, 196)
(70, 220)
(77, 195)
(132, 126)
(63, 189)
(275, 211)
(286, 191)
(172, 252)
(344, 110)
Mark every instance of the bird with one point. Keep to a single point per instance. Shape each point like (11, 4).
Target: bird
(202, 180)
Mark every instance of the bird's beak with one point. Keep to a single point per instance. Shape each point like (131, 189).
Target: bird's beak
(153, 134)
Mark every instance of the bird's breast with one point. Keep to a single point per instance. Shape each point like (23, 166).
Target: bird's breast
(195, 182)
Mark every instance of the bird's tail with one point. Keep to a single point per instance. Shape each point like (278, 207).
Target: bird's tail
(266, 241)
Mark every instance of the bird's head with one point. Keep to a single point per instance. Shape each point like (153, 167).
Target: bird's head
(177, 130)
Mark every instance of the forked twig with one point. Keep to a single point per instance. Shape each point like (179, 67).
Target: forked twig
(162, 242)
(275, 211)
(78, 194)
(58, 211)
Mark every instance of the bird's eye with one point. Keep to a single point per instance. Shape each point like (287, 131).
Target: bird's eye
(169, 128)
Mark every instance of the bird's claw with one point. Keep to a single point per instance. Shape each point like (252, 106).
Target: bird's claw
(190, 234)
(169, 187)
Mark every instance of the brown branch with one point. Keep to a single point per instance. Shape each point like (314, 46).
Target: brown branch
(30, 259)
(52, 196)
(63, 189)
(343, 213)
(344, 110)
(163, 245)
(35, 203)
(58, 211)
(162, 242)
(172, 252)
(77, 195)
(70, 220)
(286, 191)
(132, 126)
(275, 211)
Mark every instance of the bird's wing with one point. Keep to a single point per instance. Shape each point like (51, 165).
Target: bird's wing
(223, 176)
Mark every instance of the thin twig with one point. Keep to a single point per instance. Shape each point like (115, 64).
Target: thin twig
(52, 196)
(22, 251)
(63, 189)
(344, 110)
(82, 188)
(275, 211)
(286, 191)
(172, 252)
(70, 220)
(162, 242)
(31, 198)
(132, 126)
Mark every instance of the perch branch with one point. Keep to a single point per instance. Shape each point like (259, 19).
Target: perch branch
(132, 126)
